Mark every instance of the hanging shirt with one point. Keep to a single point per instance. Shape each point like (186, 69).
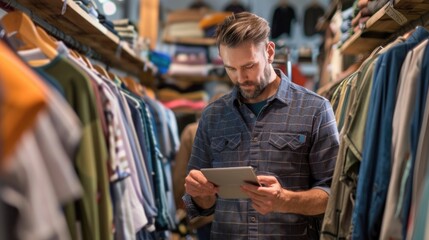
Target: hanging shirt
(235, 8)
(401, 147)
(282, 21)
(416, 123)
(43, 157)
(95, 210)
(311, 16)
(21, 100)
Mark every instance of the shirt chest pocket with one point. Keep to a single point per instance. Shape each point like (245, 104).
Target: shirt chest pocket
(287, 156)
(226, 150)
(284, 141)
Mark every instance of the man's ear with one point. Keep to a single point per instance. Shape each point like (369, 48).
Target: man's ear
(271, 46)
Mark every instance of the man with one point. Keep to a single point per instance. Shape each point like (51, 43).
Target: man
(287, 133)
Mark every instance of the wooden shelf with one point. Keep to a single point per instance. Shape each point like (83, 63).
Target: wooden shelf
(198, 79)
(381, 26)
(190, 41)
(86, 29)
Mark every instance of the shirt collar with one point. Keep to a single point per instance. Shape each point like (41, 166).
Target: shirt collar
(418, 35)
(282, 94)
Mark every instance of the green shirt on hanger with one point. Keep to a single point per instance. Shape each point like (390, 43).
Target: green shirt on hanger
(94, 210)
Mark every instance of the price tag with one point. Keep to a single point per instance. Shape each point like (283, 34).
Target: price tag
(396, 15)
(63, 9)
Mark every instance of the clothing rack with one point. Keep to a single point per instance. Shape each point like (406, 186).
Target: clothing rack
(66, 21)
(55, 32)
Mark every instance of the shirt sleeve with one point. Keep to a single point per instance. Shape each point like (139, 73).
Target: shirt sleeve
(200, 158)
(323, 154)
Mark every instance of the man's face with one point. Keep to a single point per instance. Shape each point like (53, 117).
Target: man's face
(248, 68)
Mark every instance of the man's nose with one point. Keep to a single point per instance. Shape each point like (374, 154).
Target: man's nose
(241, 76)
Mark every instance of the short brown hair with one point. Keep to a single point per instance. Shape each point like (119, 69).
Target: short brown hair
(242, 27)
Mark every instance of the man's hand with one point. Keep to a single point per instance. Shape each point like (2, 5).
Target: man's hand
(201, 190)
(272, 197)
(268, 198)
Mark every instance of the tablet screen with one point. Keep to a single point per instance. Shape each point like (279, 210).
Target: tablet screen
(230, 179)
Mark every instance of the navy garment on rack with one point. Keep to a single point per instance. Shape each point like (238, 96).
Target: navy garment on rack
(146, 186)
(282, 21)
(167, 145)
(235, 8)
(374, 174)
(149, 205)
(141, 113)
(311, 16)
(164, 221)
(140, 132)
(161, 127)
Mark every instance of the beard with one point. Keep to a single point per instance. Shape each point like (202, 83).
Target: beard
(258, 87)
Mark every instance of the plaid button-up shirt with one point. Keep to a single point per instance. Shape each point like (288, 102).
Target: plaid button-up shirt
(294, 138)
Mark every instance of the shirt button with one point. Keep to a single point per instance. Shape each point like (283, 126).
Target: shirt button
(255, 139)
(252, 115)
(253, 219)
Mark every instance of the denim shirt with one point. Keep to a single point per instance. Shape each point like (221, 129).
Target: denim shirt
(294, 138)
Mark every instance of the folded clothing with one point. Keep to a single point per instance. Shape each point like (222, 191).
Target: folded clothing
(167, 94)
(213, 19)
(190, 59)
(374, 6)
(193, 70)
(186, 15)
(186, 49)
(161, 60)
(107, 23)
(184, 29)
(185, 104)
(128, 28)
(122, 22)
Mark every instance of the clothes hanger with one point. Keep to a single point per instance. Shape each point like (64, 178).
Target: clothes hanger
(49, 40)
(74, 54)
(408, 33)
(102, 71)
(132, 85)
(86, 61)
(46, 38)
(149, 92)
(19, 23)
(113, 76)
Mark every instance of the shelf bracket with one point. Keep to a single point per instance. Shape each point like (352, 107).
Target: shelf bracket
(119, 49)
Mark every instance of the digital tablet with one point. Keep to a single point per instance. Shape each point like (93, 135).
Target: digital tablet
(230, 179)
